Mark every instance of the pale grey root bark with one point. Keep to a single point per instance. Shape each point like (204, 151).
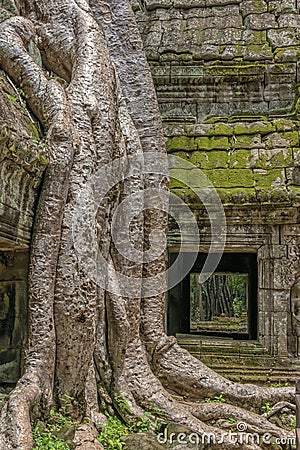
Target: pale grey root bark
(96, 101)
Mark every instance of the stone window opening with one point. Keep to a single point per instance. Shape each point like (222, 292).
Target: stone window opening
(225, 305)
(13, 315)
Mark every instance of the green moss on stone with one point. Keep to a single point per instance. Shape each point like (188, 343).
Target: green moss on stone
(283, 158)
(283, 124)
(282, 140)
(43, 160)
(205, 143)
(292, 137)
(262, 127)
(256, 38)
(230, 177)
(210, 160)
(221, 129)
(257, 51)
(275, 158)
(287, 54)
(181, 143)
(245, 141)
(269, 178)
(183, 155)
(235, 196)
(259, 127)
(240, 129)
(253, 68)
(240, 159)
(174, 184)
(273, 196)
(295, 194)
(216, 119)
(188, 196)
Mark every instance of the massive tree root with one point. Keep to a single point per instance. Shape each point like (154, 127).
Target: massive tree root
(96, 102)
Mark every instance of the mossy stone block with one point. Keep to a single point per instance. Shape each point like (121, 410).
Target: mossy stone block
(274, 158)
(240, 129)
(236, 196)
(246, 141)
(231, 177)
(295, 193)
(283, 124)
(262, 127)
(181, 143)
(210, 160)
(292, 137)
(221, 129)
(174, 183)
(240, 159)
(212, 143)
(269, 178)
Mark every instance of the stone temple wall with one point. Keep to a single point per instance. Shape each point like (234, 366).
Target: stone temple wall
(22, 163)
(227, 79)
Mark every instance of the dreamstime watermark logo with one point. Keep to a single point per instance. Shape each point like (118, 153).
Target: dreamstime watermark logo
(240, 436)
(128, 171)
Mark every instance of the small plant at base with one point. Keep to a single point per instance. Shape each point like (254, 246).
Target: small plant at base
(123, 404)
(216, 398)
(47, 441)
(46, 438)
(110, 436)
(278, 385)
(11, 97)
(266, 408)
(293, 423)
(231, 420)
(289, 421)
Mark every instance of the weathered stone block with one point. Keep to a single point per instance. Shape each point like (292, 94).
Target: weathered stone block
(231, 177)
(246, 141)
(277, 140)
(283, 37)
(288, 19)
(269, 178)
(282, 92)
(274, 158)
(229, 52)
(253, 6)
(212, 143)
(282, 301)
(181, 143)
(210, 160)
(237, 196)
(239, 159)
(252, 37)
(261, 21)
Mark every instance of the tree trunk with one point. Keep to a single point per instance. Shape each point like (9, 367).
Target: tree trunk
(96, 297)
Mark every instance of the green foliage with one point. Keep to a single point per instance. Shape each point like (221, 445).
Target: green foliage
(46, 437)
(11, 97)
(122, 404)
(231, 287)
(293, 423)
(39, 143)
(47, 441)
(279, 385)
(111, 434)
(266, 408)
(21, 98)
(216, 398)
